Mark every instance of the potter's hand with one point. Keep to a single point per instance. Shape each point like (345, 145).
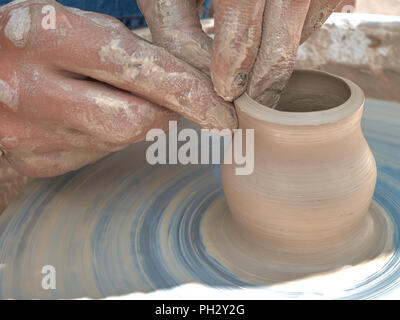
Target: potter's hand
(61, 103)
(175, 25)
(256, 44)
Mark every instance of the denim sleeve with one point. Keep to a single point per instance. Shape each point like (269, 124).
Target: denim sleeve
(125, 10)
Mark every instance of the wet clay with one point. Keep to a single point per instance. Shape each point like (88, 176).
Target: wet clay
(256, 261)
(306, 207)
(124, 227)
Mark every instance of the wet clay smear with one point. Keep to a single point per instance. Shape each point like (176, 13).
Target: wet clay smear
(124, 228)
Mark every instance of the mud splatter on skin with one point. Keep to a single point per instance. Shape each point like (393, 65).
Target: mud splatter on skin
(130, 63)
(152, 72)
(110, 104)
(8, 96)
(53, 69)
(283, 23)
(9, 142)
(175, 26)
(237, 39)
(65, 86)
(131, 124)
(18, 26)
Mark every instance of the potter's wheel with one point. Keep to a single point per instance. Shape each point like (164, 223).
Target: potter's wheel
(123, 227)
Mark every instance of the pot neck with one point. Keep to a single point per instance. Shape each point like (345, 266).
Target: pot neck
(315, 107)
(269, 132)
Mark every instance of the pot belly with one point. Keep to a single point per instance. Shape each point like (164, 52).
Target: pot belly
(308, 207)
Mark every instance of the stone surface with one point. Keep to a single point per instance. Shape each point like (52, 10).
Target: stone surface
(390, 7)
(361, 47)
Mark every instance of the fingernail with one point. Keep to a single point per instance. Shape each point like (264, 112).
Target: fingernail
(240, 80)
(239, 85)
(231, 89)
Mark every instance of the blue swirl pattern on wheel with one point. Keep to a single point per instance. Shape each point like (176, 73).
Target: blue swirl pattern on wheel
(121, 226)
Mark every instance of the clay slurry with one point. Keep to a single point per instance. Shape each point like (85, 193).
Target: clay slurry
(123, 227)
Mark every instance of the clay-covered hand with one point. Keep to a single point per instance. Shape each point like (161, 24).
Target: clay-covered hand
(256, 44)
(175, 25)
(75, 86)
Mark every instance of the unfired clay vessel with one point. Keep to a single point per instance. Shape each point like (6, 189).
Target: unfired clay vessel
(314, 174)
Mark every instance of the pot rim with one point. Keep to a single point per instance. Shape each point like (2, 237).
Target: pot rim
(258, 111)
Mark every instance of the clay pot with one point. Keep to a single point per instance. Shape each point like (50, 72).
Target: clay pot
(314, 174)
